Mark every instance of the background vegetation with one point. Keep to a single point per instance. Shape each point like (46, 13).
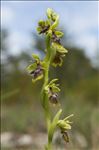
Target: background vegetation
(20, 99)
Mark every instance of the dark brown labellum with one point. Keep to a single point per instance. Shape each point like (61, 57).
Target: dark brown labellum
(37, 72)
(54, 98)
(44, 29)
(55, 38)
(57, 58)
(65, 136)
(32, 72)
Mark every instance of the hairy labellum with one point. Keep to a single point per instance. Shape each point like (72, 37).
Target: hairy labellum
(65, 136)
(37, 72)
(57, 59)
(54, 98)
(44, 29)
(55, 38)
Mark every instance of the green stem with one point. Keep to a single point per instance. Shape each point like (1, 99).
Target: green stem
(48, 146)
(45, 102)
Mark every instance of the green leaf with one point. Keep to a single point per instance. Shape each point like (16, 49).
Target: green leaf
(54, 125)
(9, 94)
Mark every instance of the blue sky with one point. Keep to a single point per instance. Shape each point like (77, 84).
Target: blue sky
(79, 18)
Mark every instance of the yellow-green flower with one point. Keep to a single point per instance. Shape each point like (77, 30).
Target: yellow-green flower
(43, 26)
(60, 53)
(36, 69)
(64, 126)
(52, 91)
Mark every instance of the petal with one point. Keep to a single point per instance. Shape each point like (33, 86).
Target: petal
(67, 126)
(31, 67)
(38, 78)
(36, 57)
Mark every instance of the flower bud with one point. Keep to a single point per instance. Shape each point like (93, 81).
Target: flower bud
(51, 14)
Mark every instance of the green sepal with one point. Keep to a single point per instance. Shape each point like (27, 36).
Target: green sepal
(47, 22)
(36, 57)
(59, 34)
(53, 86)
(39, 29)
(64, 125)
(65, 119)
(52, 81)
(56, 89)
(31, 67)
(55, 24)
(41, 23)
(59, 48)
